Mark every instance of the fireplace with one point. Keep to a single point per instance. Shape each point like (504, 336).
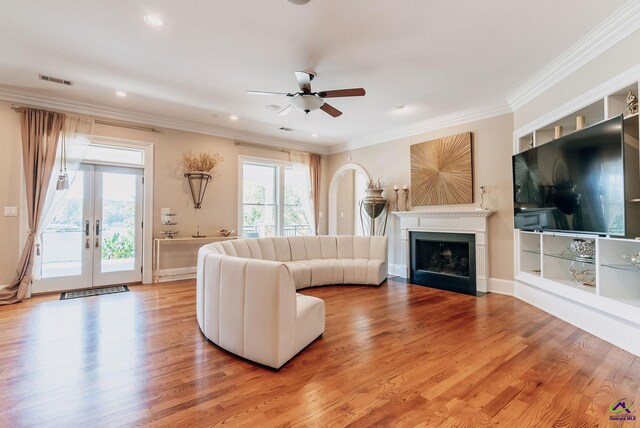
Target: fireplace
(444, 260)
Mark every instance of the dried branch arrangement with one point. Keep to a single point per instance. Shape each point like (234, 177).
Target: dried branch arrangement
(203, 161)
(375, 184)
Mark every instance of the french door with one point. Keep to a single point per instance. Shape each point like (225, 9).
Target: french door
(95, 237)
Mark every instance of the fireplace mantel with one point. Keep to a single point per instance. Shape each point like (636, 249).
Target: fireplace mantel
(456, 220)
(445, 213)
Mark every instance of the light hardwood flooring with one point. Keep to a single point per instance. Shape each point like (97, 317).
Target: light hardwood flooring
(396, 354)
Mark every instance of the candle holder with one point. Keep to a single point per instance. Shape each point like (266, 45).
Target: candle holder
(406, 199)
(395, 199)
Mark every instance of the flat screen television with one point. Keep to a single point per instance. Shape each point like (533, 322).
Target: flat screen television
(575, 183)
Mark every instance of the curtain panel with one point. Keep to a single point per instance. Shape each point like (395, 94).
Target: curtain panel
(40, 133)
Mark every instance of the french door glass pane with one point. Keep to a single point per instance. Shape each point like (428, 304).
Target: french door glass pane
(296, 221)
(62, 240)
(118, 222)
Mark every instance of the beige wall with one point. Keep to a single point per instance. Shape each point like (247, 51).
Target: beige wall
(615, 61)
(219, 209)
(9, 190)
(346, 204)
(492, 143)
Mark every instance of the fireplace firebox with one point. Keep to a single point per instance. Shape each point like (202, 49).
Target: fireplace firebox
(446, 261)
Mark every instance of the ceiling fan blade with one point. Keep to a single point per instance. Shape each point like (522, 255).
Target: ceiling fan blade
(304, 80)
(269, 93)
(330, 110)
(285, 110)
(354, 92)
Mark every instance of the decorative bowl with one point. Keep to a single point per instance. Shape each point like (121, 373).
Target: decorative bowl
(226, 232)
(583, 277)
(583, 248)
(634, 259)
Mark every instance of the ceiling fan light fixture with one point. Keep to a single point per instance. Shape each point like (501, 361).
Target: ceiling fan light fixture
(298, 2)
(307, 103)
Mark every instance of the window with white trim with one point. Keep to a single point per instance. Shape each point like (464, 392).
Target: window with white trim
(275, 199)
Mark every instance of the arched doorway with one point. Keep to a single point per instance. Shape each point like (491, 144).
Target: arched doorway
(358, 176)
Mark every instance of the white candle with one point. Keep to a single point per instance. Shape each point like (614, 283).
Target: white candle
(404, 187)
(395, 187)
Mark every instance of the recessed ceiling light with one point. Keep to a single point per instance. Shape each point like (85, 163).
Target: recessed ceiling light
(121, 94)
(298, 2)
(273, 107)
(233, 117)
(153, 20)
(314, 135)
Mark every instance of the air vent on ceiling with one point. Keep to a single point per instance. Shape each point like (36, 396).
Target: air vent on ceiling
(55, 80)
(284, 128)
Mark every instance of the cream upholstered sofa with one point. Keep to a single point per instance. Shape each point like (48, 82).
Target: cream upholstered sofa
(246, 300)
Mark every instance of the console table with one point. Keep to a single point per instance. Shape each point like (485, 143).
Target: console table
(158, 243)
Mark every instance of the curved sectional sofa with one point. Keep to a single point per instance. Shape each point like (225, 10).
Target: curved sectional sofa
(246, 300)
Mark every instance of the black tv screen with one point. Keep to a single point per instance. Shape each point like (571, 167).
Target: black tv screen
(573, 183)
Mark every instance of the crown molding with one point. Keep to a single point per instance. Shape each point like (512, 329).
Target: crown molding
(445, 121)
(615, 28)
(40, 99)
(599, 92)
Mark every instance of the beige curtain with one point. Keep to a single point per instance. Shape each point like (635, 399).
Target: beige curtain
(314, 176)
(40, 133)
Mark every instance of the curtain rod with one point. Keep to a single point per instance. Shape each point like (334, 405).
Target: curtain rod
(18, 109)
(273, 148)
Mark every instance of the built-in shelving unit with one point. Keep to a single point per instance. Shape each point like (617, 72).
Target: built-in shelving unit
(611, 308)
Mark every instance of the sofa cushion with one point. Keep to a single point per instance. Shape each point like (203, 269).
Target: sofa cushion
(298, 249)
(310, 319)
(378, 249)
(282, 248)
(241, 247)
(301, 274)
(312, 245)
(232, 289)
(328, 247)
(228, 248)
(267, 249)
(321, 271)
(361, 247)
(345, 247)
(254, 248)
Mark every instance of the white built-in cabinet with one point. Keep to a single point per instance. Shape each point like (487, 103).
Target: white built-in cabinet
(611, 308)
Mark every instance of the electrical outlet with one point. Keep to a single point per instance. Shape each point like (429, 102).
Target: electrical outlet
(10, 211)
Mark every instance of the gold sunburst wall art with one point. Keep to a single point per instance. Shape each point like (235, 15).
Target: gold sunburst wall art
(442, 171)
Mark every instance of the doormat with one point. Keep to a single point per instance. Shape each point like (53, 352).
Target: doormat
(94, 292)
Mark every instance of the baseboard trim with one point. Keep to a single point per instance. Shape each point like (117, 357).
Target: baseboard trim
(168, 275)
(600, 324)
(501, 286)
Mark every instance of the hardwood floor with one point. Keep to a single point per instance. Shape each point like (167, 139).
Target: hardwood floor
(397, 354)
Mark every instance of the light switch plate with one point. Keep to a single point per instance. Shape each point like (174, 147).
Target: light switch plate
(10, 211)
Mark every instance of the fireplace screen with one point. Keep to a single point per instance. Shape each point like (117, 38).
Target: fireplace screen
(449, 258)
(444, 260)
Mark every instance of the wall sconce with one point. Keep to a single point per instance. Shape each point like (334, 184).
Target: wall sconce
(198, 182)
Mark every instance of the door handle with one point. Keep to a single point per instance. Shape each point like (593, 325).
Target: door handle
(97, 228)
(86, 228)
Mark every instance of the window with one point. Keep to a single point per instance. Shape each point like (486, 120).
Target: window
(275, 199)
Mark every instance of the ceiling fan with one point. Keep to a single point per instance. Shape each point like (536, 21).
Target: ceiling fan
(308, 101)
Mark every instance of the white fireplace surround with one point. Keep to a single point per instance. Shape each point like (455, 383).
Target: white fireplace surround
(447, 221)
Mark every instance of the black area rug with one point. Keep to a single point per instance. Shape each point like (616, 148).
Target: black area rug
(94, 292)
